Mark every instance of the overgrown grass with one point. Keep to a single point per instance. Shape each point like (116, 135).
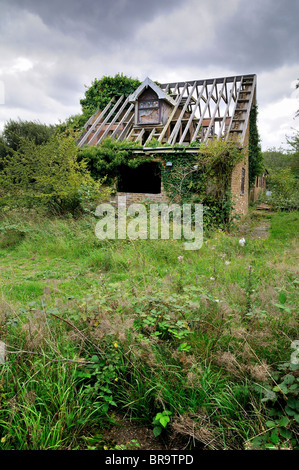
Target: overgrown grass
(95, 327)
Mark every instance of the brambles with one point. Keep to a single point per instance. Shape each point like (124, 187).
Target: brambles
(282, 411)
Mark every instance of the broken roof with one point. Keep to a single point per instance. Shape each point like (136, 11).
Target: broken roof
(199, 110)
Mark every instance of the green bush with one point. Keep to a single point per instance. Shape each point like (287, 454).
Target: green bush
(284, 187)
(15, 131)
(48, 176)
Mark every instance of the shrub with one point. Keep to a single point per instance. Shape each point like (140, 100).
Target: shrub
(284, 187)
(47, 175)
(15, 131)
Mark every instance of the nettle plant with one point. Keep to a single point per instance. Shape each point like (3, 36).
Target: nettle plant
(99, 376)
(163, 319)
(282, 398)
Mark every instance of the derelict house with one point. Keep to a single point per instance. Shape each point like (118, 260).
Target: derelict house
(177, 114)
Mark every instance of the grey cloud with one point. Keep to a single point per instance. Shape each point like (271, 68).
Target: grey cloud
(262, 35)
(41, 87)
(258, 36)
(71, 42)
(99, 21)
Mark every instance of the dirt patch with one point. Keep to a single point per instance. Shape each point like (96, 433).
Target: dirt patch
(261, 231)
(182, 433)
(125, 431)
(253, 229)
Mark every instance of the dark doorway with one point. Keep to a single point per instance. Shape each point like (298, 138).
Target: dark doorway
(146, 178)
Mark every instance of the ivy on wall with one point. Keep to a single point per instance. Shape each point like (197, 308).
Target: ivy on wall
(254, 148)
(204, 177)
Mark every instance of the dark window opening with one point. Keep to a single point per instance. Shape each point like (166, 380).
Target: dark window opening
(146, 178)
(243, 182)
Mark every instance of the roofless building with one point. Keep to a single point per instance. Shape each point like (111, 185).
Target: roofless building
(174, 114)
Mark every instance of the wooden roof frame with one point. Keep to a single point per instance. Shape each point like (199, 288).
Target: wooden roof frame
(200, 110)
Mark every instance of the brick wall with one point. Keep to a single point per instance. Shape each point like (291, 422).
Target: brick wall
(133, 198)
(241, 200)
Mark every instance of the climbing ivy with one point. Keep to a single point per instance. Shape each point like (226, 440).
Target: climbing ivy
(105, 161)
(204, 177)
(254, 148)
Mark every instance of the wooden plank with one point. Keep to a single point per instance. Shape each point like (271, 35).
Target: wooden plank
(203, 113)
(106, 119)
(113, 121)
(214, 113)
(225, 99)
(123, 134)
(210, 81)
(91, 119)
(2, 352)
(130, 135)
(246, 117)
(85, 137)
(233, 113)
(226, 109)
(139, 137)
(176, 128)
(123, 121)
(172, 113)
(197, 105)
(176, 89)
(150, 136)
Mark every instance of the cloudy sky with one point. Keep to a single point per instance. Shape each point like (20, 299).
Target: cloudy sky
(50, 50)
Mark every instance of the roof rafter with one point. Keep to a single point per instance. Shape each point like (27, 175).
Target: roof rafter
(194, 111)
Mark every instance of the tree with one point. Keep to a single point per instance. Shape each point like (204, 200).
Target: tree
(279, 159)
(294, 143)
(14, 131)
(256, 165)
(98, 95)
(4, 152)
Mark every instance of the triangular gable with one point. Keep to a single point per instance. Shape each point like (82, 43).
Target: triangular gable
(133, 98)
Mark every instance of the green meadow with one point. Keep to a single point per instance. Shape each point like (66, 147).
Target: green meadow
(193, 346)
